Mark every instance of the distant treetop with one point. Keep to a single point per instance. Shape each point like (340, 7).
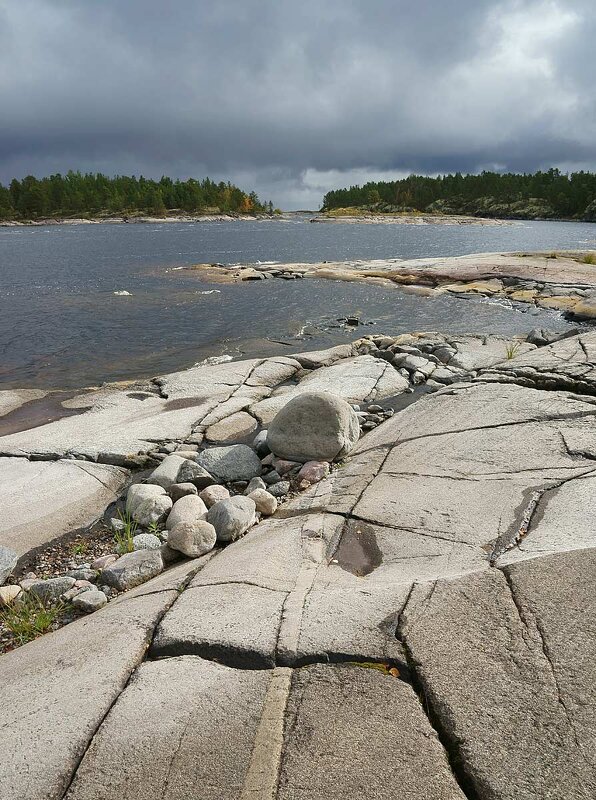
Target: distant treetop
(542, 194)
(92, 194)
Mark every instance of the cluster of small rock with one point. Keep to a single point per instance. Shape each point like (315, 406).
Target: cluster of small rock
(194, 500)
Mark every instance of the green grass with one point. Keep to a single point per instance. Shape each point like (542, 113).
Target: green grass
(511, 350)
(589, 258)
(123, 539)
(79, 548)
(29, 617)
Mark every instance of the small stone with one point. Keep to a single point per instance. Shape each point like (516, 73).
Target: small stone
(313, 472)
(188, 509)
(27, 583)
(90, 601)
(187, 447)
(167, 472)
(232, 518)
(178, 490)
(280, 489)
(8, 561)
(260, 444)
(136, 494)
(265, 502)
(132, 569)
(83, 574)
(117, 525)
(146, 541)
(72, 593)
(268, 460)
(256, 483)
(8, 594)
(104, 561)
(374, 409)
(185, 453)
(49, 591)
(193, 539)
(283, 467)
(272, 477)
(169, 555)
(213, 494)
(83, 584)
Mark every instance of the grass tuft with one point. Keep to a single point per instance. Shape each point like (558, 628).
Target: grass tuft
(511, 350)
(123, 539)
(589, 258)
(30, 617)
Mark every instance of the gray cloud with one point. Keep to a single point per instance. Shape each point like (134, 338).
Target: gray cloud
(295, 98)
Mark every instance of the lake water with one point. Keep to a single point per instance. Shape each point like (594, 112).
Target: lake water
(62, 326)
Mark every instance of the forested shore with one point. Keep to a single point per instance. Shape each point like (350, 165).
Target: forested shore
(94, 194)
(541, 195)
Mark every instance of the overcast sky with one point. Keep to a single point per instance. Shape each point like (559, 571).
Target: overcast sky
(294, 98)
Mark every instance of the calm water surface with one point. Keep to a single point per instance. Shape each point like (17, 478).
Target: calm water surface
(61, 325)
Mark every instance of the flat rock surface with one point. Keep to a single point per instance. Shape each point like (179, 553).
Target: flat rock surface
(42, 500)
(451, 558)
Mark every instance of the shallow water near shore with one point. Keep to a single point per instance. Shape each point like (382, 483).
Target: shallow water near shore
(63, 326)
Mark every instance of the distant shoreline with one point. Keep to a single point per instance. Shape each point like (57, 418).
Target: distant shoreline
(144, 219)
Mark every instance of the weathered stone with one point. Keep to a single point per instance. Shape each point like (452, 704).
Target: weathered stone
(260, 444)
(152, 510)
(49, 591)
(213, 494)
(104, 561)
(238, 462)
(178, 490)
(188, 509)
(279, 489)
(313, 472)
(136, 494)
(264, 501)
(167, 473)
(68, 494)
(132, 569)
(191, 472)
(89, 601)
(83, 574)
(193, 539)
(255, 483)
(146, 541)
(232, 518)
(8, 561)
(314, 427)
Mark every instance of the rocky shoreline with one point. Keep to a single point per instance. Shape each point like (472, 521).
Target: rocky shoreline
(410, 219)
(563, 281)
(119, 219)
(321, 539)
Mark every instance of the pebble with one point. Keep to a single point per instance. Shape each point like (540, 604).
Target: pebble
(272, 477)
(313, 472)
(374, 409)
(104, 561)
(82, 574)
(256, 483)
(260, 444)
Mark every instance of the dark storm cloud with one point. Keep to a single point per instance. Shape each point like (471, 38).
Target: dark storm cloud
(295, 98)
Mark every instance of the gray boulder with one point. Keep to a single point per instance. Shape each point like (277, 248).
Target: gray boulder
(193, 539)
(178, 490)
(8, 561)
(232, 518)
(188, 509)
(90, 601)
(146, 541)
(132, 569)
(238, 462)
(153, 510)
(167, 473)
(50, 590)
(314, 427)
(135, 496)
(191, 472)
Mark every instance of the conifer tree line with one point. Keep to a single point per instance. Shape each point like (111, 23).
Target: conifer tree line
(91, 194)
(545, 194)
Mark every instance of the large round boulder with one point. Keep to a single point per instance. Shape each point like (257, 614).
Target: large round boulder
(314, 426)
